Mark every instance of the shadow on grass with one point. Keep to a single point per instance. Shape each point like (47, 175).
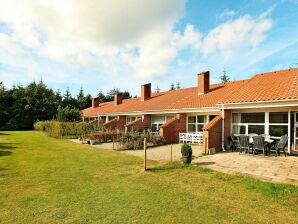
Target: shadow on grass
(4, 133)
(179, 166)
(204, 163)
(6, 148)
(2, 172)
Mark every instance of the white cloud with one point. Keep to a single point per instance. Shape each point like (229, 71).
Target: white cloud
(86, 32)
(226, 14)
(243, 33)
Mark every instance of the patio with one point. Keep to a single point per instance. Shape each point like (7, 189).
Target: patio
(275, 169)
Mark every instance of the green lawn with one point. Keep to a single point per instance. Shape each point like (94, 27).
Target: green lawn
(46, 180)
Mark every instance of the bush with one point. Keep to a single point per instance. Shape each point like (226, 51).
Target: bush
(186, 150)
(59, 129)
(105, 136)
(135, 140)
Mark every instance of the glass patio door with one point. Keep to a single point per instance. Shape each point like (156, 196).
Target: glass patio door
(296, 131)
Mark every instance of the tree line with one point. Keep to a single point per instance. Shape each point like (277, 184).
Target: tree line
(21, 106)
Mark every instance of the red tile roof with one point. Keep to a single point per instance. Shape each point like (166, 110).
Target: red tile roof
(279, 85)
(187, 98)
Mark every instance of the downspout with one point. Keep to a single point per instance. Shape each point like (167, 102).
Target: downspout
(223, 128)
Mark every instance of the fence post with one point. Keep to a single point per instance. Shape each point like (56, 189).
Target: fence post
(171, 153)
(113, 143)
(145, 154)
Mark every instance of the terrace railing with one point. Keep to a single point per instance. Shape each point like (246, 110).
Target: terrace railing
(195, 138)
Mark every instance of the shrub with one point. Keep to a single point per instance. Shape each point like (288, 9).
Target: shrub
(135, 140)
(59, 129)
(186, 150)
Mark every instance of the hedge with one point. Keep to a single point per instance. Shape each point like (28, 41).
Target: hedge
(59, 129)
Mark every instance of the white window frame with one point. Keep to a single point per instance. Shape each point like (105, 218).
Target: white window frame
(130, 119)
(166, 118)
(196, 122)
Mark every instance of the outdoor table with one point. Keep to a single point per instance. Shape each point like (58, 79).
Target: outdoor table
(268, 144)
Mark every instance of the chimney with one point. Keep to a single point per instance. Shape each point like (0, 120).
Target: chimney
(203, 82)
(95, 102)
(145, 92)
(118, 99)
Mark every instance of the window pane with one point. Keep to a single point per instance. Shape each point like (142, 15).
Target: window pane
(211, 117)
(191, 119)
(236, 118)
(191, 128)
(258, 129)
(200, 127)
(252, 117)
(158, 119)
(169, 117)
(278, 130)
(202, 119)
(278, 117)
(154, 127)
(238, 129)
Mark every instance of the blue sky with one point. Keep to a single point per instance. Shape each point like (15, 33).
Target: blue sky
(102, 45)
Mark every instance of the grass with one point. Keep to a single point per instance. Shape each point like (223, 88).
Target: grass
(46, 180)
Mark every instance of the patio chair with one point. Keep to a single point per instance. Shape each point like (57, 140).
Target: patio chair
(259, 144)
(244, 143)
(235, 142)
(281, 145)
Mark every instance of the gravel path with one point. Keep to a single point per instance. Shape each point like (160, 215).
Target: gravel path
(154, 153)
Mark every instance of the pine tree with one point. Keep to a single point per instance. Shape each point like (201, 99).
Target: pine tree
(157, 89)
(101, 96)
(225, 77)
(172, 86)
(178, 85)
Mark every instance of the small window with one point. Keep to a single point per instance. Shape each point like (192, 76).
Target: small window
(238, 129)
(191, 128)
(278, 130)
(278, 117)
(252, 117)
(200, 127)
(191, 119)
(257, 129)
(202, 119)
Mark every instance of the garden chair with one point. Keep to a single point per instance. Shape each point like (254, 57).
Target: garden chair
(244, 143)
(235, 142)
(259, 144)
(281, 145)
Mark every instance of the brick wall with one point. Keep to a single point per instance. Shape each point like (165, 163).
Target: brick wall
(140, 124)
(212, 134)
(117, 123)
(170, 130)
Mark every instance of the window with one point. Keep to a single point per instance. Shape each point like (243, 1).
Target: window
(196, 123)
(248, 118)
(130, 119)
(257, 129)
(157, 121)
(278, 130)
(278, 117)
(238, 129)
(278, 123)
(247, 123)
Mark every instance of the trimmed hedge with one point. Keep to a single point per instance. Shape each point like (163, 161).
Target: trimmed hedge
(59, 129)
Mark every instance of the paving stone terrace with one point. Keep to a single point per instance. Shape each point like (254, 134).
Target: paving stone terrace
(268, 168)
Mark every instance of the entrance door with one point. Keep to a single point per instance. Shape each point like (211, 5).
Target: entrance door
(296, 131)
